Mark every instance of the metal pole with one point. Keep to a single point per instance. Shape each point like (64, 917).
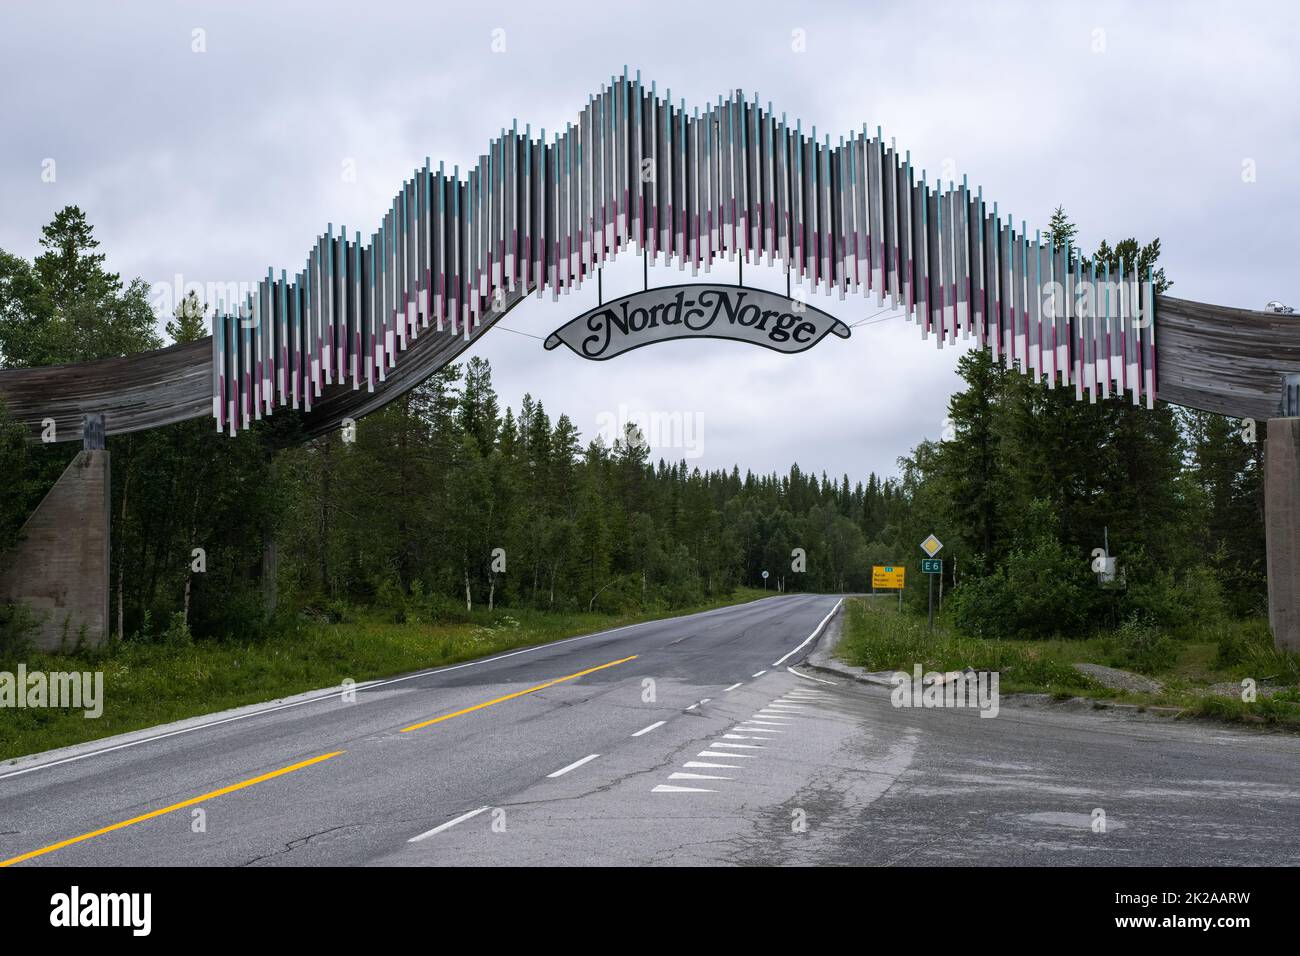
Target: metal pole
(931, 577)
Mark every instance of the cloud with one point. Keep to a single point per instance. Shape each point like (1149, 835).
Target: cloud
(216, 165)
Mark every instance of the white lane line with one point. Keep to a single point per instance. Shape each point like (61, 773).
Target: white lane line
(696, 776)
(720, 745)
(760, 730)
(734, 686)
(334, 693)
(817, 679)
(742, 737)
(699, 702)
(573, 766)
(767, 723)
(448, 825)
(759, 674)
(666, 788)
(808, 640)
(692, 707)
(646, 730)
(712, 753)
(774, 715)
(705, 765)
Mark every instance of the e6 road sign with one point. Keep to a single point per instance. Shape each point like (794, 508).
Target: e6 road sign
(931, 566)
(887, 575)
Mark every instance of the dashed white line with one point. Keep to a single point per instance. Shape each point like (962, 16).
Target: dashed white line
(448, 825)
(759, 674)
(719, 745)
(573, 766)
(712, 753)
(705, 765)
(667, 788)
(734, 686)
(334, 693)
(646, 730)
(696, 776)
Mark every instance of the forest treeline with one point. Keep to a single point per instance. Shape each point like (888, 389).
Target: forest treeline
(448, 498)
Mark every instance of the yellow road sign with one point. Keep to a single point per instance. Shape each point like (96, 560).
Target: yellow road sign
(887, 575)
(931, 545)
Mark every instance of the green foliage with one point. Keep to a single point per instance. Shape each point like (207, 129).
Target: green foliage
(408, 517)
(65, 306)
(154, 682)
(17, 628)
(1138, 645)
(1029, 483)
(187, 321)
(879, 638)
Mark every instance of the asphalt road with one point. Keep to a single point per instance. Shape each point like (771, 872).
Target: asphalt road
(686, 741)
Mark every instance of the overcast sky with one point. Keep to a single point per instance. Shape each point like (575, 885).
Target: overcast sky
(1175, 120)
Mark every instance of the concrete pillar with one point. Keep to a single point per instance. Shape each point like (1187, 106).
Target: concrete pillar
(59, 568)
(1282, 530)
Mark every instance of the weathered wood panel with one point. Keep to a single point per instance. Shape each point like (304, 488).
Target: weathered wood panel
(174, 384)
(1224, 360)
(134, 392)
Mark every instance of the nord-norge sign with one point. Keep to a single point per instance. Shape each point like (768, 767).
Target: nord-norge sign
(696, 311)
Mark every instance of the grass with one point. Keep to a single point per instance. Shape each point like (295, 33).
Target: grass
(147, 684)
(877, 636)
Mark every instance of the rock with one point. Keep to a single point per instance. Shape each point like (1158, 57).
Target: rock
(1116, 679)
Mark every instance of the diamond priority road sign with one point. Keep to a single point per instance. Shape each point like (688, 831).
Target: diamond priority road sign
(931, 546)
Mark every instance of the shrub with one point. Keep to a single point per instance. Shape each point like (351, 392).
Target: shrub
(1042, 591)
(177, 633)
(1139, 645)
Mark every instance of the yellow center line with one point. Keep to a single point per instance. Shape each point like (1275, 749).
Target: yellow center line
(175, 806)
(518, 693)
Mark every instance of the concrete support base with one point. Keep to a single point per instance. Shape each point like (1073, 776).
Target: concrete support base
(1282, 530)
(59, 570)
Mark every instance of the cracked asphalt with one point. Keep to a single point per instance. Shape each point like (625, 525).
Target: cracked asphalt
(707, 751)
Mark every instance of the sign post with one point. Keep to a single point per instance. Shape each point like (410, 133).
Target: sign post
(931, 566)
